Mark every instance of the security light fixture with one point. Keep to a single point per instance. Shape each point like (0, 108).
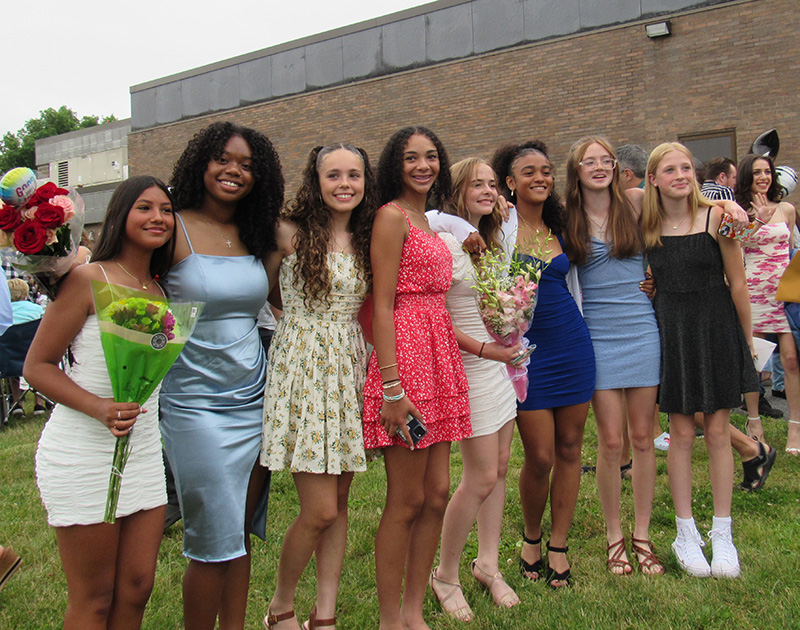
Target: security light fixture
(659, 29)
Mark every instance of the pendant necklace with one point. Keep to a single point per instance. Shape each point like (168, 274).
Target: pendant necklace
(675, 227)
(536, 230)
(144, 284)
(601, 227)
(227, 240)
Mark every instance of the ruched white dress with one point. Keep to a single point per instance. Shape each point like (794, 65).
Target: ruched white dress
(73, 459)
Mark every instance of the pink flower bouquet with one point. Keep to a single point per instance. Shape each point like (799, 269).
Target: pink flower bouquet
(507, 292)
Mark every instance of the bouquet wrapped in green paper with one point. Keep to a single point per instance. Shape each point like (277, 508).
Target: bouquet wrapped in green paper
(142, 335)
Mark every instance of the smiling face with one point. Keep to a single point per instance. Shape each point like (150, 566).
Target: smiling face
(341, 180)
(150, 221)
(596, 168)
(229, 176)
(420, 164)
(531, 178)
(674, 176)
(480, 192)
(762, 177)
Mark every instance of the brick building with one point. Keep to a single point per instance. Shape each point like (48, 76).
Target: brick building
(484, 72)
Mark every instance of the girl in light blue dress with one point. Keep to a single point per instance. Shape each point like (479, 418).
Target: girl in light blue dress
(604, 239)
(229, 188)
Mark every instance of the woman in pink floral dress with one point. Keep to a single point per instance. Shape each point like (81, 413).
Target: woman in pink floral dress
(766, 254)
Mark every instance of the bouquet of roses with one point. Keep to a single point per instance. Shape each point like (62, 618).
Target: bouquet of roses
(43, 232)
(142, 335)
(507, 293)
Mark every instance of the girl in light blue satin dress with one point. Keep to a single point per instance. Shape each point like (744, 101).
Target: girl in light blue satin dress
(229, 188)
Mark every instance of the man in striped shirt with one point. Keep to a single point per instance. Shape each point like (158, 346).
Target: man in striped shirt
(720, 179)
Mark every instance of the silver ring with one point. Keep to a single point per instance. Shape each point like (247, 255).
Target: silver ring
(116, 422)
(119, 415)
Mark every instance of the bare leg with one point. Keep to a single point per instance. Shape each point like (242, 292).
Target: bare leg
(137, 552)
(319, 510)
(720, 459)
(405, 495)
(330, 553)
(679, 462)
(656, 424)
(610, 414)
(792, 385)
(425, 534)
(537, 431)
(569, 423)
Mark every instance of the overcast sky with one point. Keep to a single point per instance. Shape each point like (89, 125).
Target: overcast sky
(86, 54)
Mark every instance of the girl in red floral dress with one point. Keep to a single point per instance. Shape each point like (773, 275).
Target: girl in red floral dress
(415, 370)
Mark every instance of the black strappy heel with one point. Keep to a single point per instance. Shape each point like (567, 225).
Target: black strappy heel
(552, 576)
(526, 568)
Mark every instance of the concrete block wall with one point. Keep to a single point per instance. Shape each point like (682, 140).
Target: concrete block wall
(733, 65)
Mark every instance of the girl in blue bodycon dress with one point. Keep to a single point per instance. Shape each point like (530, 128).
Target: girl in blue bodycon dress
(604, 240)
(562, 371)
(229, 188)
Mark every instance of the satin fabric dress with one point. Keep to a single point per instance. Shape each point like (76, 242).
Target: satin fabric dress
(212, 402)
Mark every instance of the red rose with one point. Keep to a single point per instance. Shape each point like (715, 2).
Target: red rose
(9, 218)
(30, 238)
(49, 216)
(45, 192)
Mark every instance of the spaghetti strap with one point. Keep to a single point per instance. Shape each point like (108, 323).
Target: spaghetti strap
(108, 282)
(708, 217)
(392, 203)
(185, 233)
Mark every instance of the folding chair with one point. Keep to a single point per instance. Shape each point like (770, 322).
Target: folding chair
(14, 344)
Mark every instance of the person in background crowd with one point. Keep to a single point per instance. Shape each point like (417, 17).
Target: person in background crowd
(766, 255)
(632, 164)
(720, 179)
(24, 311)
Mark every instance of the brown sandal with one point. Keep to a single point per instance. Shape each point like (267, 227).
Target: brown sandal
(462, 613)
(648, 560)
(313, 622)
(615, 552)
(508, 600)
(271, 620)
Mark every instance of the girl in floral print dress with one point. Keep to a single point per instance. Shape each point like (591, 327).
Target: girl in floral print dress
(316, 369)
(766, 256)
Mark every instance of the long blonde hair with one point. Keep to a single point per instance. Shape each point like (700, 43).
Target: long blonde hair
(652, 209)
(462, 173)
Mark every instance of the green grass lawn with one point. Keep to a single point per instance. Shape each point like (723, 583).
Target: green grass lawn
(766, 531)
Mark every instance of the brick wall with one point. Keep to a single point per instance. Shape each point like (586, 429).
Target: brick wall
(736, 66)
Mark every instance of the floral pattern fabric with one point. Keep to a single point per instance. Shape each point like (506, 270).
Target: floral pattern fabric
(429, 361)
(315, 376)
(766, 256)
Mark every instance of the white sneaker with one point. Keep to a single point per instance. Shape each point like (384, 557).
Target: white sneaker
(662, 442)
(688, 550)
(725, 559)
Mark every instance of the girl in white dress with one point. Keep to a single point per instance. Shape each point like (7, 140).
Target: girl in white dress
(109, 568)
(317, 367)
(481, 493)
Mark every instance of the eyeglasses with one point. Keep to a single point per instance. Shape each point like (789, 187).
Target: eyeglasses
(606, 163)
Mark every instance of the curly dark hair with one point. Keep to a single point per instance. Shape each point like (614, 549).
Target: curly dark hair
(112, 233)
(313, 220)
(257, 213)
(503, 162)
(390, 168)
(744, 182)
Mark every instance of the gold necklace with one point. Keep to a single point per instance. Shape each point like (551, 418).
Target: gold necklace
(537, 230)
(675, 227)
(227, 240)
(338, 244)
(144, 284)
(412, 209)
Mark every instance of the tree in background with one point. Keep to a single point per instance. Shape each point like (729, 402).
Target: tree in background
(19, 149)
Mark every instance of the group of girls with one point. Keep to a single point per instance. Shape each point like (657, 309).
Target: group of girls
(348, 233)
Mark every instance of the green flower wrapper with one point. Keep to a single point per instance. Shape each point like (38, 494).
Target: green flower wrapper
(142, 336)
